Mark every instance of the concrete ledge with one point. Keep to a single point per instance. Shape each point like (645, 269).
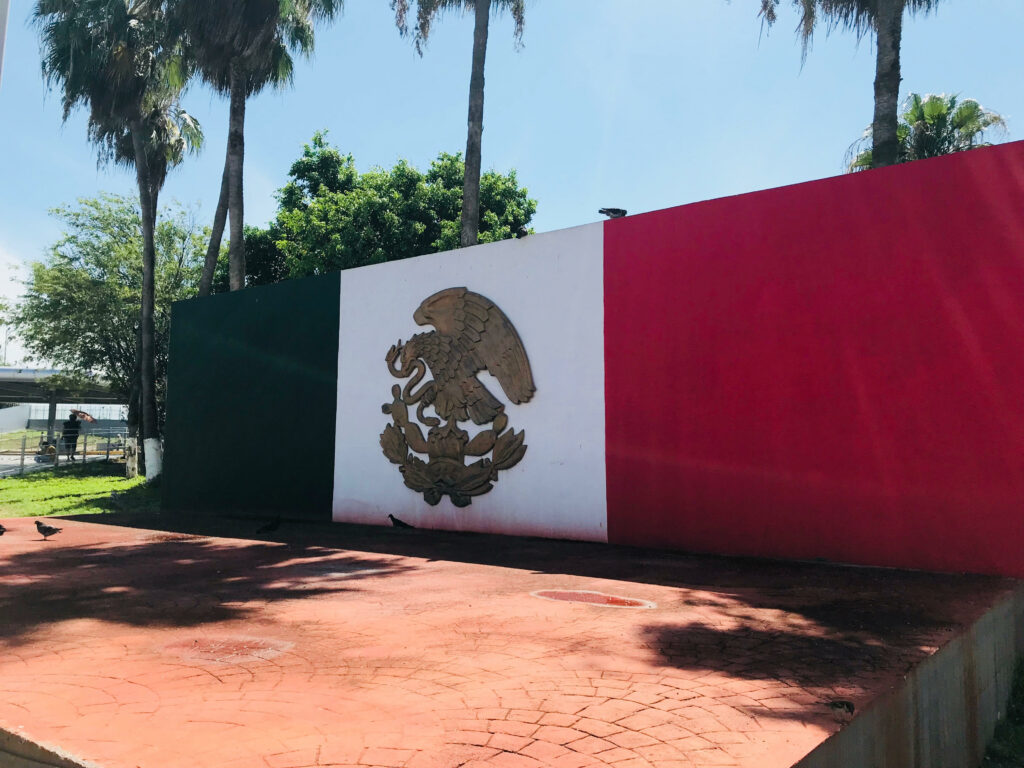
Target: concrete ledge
(946, 711)
(18, 752)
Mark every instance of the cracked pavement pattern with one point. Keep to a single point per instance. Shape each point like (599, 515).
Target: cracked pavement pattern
(354, 646)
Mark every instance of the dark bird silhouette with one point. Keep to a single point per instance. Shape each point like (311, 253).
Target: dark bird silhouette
(270, 527)
(613, 213)
(522, 232)
(399, 523)
(842, 710)
(46, 530)
(841, 705)
(2, 530)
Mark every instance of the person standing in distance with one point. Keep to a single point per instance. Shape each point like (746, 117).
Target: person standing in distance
(69, 435)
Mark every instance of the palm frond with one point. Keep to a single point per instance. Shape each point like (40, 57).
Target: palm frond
(122, 60)
(857, 16)
(931, 126)
(427, 11)
(260, 36)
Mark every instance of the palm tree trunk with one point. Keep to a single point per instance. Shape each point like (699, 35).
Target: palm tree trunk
(134, 407)
(236, 156)
(471, 181)
(889, 33)
(147, 201)
(216, 235)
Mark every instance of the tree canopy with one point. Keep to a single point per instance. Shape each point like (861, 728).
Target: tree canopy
(80, 309)
(332, 217)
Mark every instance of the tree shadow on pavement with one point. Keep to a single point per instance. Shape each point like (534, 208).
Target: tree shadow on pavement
(169, 580)
(844, 612)
(799, 657)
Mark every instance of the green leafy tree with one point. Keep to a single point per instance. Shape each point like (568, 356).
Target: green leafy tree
(121, 60)
(932, 126)
(426, 12)
(80, 309)
(241, 47)
(264, 262)
(885, 19)
(332, 217)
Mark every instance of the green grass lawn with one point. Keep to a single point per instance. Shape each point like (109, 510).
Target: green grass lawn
(75, 489)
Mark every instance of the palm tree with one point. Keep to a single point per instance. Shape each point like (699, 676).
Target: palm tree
(930, 127)
(427, 10)
(240, 47)
(119, 59)
(169, 133)
(885, 19)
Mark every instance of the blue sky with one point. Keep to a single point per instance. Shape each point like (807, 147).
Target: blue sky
(640, 104)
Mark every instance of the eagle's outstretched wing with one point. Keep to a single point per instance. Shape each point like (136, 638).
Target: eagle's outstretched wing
(496, 345)
(479, 337)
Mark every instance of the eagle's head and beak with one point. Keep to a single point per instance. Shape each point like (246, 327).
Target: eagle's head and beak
(439, 310)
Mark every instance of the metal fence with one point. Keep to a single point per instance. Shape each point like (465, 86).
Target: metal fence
(32, 450)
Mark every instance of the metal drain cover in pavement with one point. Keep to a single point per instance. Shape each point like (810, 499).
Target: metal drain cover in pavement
(592, 598)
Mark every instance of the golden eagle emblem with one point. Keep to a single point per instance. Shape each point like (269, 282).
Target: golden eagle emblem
(471, 335)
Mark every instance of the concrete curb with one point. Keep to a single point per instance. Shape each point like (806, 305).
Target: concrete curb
(18, 752)
(947, 709)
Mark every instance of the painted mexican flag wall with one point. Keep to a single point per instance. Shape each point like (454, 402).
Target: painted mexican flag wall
(834, 369)
(830, 370)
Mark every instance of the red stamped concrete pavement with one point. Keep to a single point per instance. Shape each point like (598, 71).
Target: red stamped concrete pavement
(349, 646)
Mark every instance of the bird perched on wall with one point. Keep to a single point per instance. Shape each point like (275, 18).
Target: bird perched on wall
(522, 232)
(46, 531)
(613, 213)
(399, 523)
(270, 527)
(842, 710)
(2, 530)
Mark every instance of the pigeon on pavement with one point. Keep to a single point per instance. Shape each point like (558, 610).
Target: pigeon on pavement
(2, 530)
(46, 530)
(399, 523)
